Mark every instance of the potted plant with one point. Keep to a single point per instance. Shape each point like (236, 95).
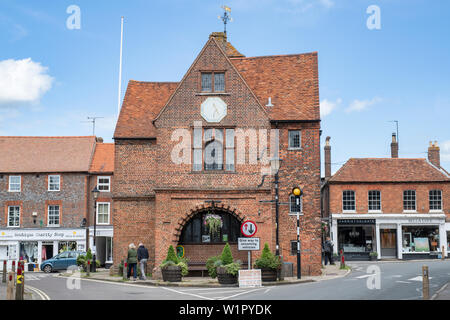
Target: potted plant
(373, 256)
(223, 267)
(82, 261)
(173, 268)
(269, 264)
(214, 224)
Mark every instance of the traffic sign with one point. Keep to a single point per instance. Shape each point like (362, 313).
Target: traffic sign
(248, 229)
(248, 244)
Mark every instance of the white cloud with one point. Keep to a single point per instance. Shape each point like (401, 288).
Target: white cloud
(326, 106)
(360, 105)
(23, 81)
(445, 150)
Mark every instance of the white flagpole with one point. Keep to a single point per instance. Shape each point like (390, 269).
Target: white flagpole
(120, 69)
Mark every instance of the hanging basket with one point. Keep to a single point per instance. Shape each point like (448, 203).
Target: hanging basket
(214, 223)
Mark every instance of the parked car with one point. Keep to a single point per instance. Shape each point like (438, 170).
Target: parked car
(61, 261)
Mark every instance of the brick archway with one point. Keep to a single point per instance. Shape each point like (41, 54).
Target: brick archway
(192, 212)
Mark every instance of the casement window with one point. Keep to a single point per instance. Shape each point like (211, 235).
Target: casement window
(374, 200)
(293, 207)
(13, 216)
(435, 200)
(54, 218)
(213, 82)
(295, 139)
(104, 184)
(103, 212)
(409, 200)
(348, 200)
(210, 146)
(54, 183)
(15, 183)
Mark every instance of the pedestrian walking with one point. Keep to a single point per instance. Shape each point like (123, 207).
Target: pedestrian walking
(132, 261)
(328, 249)
(142, 255)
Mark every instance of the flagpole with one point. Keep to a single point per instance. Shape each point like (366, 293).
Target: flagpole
(120, 69)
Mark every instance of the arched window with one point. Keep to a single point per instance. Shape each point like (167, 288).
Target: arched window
(197, 229)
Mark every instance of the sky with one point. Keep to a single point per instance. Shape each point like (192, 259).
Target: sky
(379, 61)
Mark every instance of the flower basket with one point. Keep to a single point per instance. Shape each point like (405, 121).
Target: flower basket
(214, 223)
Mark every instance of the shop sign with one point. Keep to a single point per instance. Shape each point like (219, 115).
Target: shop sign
(422, 220)
(356, 221)
(248, 244)
(250, 278)
(30, 235)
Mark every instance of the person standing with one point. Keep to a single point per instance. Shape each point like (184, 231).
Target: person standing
(142, 256)
(132, 261)
(328, 249)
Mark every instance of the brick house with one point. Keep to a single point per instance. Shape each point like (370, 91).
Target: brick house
(396, 207)
(45, 195)
(179, 156)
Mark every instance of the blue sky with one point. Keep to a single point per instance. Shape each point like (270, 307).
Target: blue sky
(367, 77)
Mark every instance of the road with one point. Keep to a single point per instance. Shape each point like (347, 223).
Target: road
(397, 280)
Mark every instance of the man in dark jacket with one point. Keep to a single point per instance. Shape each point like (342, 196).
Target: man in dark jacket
(328, 249)
(142, 253)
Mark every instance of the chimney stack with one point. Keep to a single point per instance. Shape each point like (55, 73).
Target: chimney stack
(394, 146)
(434, 154)
(221, 38)
(327, 149)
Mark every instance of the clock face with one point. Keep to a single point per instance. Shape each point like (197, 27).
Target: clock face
(213, 109)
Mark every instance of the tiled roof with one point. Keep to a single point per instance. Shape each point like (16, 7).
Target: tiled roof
(291, 81)
(142, 103)
(46, 154)
(103, 161)
(388, 170)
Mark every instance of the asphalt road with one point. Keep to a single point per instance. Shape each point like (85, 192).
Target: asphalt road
(391, 280)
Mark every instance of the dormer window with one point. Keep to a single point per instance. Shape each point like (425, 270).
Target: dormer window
(213, 82)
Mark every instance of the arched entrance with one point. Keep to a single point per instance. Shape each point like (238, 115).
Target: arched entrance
(205, 234)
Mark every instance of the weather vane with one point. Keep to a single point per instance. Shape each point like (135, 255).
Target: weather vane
(226, 17)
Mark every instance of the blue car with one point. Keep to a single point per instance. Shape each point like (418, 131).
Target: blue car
(61, 261)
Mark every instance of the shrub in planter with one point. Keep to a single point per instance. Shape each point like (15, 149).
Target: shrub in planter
(82, 261)
(269, 264)
(223, 267)
(173, 268)
(373, 256)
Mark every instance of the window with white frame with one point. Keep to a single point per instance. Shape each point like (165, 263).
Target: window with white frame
(435, 199)
(409, 200)
(102, 212)
(104, 184)
(53, 215)
(293, 207)
(13, 216)
(295, 139)
(15, 183)
(348, 200)
(54, 183)
(374, 200)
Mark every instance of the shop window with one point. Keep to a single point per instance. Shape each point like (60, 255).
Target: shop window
(14, 216)
(102, 212)
(356, 239)
(15, 183)
(294, 139)
(28, 252)
(435, 198)
(64, 246)
(420, 239)
(198, 229)
(54, 183)
(409, 200)
(293, 207)
(104, 184)
(348, 200)
(53, 216)
(374, 200)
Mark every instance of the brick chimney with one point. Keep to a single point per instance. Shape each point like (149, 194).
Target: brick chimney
(99, 139)
(394, 146)
(434, 154)
(327, 150)
(221, 37)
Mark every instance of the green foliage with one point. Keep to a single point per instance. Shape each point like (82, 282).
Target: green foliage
(214, 224)
(171, 255)
(211, 266)
(233, 268)
(184, 268)
(89, 254)
(226, 256)
(373, 254)
(82, 260)
(267, 260)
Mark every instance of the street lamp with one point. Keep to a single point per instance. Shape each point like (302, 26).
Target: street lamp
(95, 194)
(297, 193)
(275, 164)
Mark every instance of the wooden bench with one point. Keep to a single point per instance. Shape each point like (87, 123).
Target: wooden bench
(201, 266)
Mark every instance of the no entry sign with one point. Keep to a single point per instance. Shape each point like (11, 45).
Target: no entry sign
(248, 229)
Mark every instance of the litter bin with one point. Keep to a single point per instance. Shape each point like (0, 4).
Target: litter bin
(288, 269)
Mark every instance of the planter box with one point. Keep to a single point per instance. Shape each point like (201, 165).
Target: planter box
(268, 275)
(171, 274)
(225, 278)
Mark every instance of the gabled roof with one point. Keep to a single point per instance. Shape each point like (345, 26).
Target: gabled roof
(103, 160)
(46, 154)
(388, 170)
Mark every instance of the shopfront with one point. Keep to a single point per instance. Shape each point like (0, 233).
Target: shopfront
(447, 229)
(398, 236)
(104, 244)
(36, 245)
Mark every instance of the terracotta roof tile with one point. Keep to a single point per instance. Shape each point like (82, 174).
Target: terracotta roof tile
(388, 170)
(103, 161)
(46, 154)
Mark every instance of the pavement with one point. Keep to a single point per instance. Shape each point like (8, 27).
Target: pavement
(328, 272)
(443, 293)
(29, 294)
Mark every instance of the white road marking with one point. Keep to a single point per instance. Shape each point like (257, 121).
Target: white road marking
(39, 292)
(399, 281)
(365, 276)
(229, 297)
(186, 293)
(397, 276)
(418, 278)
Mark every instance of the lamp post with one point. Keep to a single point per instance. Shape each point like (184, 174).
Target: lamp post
(95, 194)
(297, 192)
(275, 164)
